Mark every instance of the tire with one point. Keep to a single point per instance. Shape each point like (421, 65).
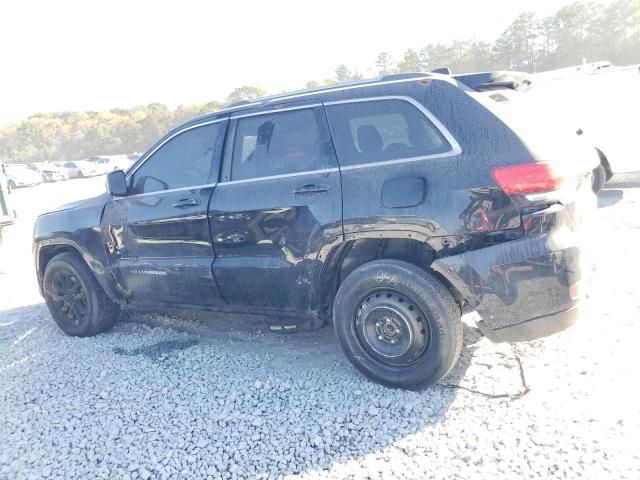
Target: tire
(11, 186)
(598, 179)
(424, 336)
(68, 281)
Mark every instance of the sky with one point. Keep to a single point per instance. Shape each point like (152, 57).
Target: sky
(87, 55)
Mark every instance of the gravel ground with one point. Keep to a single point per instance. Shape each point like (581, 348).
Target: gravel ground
(219, 397)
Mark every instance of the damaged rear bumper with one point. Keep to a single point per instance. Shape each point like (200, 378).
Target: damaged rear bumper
(524, 289)
(532, 329)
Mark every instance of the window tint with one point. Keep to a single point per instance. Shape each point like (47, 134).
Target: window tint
(189, 159)
(379, 130)
(279, 143)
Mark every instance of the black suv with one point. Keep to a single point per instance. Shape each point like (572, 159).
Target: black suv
(388, 206)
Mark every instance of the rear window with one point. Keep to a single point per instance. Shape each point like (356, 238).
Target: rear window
(381, 130)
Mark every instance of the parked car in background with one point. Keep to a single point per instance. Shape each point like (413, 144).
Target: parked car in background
(20, 176)
(103, 164)
(389, 206)
(123, 162)
(80, 169)
(585, 99)
(49, 171)
(592, 97)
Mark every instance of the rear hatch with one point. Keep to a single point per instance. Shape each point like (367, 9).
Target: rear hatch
(564, 158)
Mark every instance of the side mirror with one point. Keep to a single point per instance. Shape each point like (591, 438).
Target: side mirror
(116, 183)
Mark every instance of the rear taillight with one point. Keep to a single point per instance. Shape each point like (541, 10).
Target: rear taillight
(575, 291)
(528, 178)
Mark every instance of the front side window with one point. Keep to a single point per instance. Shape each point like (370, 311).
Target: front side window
(280, 143)
(380, 130)
(189, 159)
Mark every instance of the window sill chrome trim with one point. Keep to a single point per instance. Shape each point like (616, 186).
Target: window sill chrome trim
(231, 182)
(455, 146)
(160, 192)
(399, 160)
(179, 132)
(276, 177)
(275, 110)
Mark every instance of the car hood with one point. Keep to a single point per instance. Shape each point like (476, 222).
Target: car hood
(86, 202)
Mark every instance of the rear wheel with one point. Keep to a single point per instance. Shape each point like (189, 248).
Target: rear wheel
(75, 299)
(397, 324)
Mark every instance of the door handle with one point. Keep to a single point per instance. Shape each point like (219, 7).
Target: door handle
(186, 202)
(311, 189)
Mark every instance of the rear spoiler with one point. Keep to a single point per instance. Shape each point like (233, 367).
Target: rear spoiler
(484, 81)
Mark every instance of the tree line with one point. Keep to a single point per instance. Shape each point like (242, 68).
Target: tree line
(582, 31)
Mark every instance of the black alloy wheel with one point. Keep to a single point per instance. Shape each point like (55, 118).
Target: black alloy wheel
(69, 297)
(75, 299)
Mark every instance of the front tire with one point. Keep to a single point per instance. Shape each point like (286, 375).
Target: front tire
(397, 324)
(75, 300)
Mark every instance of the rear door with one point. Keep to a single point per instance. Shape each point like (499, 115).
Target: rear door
(158, 235)
(395, 161)
(280, 201)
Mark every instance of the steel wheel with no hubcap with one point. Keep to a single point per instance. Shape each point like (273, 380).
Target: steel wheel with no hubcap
(391, 328)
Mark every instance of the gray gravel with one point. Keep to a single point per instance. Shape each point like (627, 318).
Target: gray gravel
(221, 397)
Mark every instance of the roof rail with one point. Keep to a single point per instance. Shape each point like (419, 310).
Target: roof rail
(324, 88)
(402, 76)
(319, 89)
(239, 103)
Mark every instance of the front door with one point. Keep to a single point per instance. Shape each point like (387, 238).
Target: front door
(158, 235)
(280, 201)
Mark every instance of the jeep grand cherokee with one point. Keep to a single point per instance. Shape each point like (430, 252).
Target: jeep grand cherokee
(386, 207)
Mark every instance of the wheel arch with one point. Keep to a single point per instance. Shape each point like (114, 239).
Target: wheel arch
(339, 260)
(46, 251)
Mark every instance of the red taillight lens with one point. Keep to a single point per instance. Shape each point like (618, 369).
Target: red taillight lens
(575, 291)
(527, 178)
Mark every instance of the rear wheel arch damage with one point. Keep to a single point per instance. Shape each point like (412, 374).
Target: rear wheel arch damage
(344, 258)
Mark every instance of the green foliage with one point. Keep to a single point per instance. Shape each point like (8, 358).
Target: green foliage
(245, 93)
(411, 62)
(577, 32)
(342, 73)
(582, 31)
(77, 135)
(384, 63)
